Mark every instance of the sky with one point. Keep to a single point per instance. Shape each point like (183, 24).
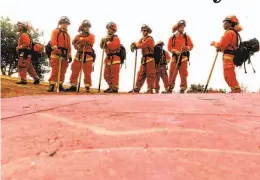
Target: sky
(204, 24)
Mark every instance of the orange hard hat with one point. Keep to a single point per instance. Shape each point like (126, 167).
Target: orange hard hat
(112, 25)
(232, 19)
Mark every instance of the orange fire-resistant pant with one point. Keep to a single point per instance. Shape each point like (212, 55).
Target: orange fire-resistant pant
(183, 71)
(111, 75)
(87, 70)
(230, 74)
(54, 63)
(146, 71)
(24, 66)
(161, 72)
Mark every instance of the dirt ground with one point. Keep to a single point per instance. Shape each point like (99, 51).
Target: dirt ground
(9, 88)
(128, 137)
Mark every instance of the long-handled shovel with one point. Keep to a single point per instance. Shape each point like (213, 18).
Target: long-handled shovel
(211, 72)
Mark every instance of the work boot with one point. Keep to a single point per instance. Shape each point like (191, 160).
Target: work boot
(51, 88)
(37, 81)
(113, 91)
(21, 82)
(135, 91)
(169, 90)
(156, 91)
(107, 90)
(72, 89)
(182, 91)
(149, 91)
(164, 92)
(87, 90)
(61, 88)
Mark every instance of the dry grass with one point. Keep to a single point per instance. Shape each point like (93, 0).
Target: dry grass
(9, 88)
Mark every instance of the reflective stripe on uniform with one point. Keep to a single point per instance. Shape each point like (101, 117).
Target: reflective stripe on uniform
(148, 60)
(228, 57)
(114, 62)
(184, 58)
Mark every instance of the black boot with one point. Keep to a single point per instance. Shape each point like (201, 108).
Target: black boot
(107, 90)
(87, 90)
(113, 91)
(135, 91)
(61, 88)
(182, 91)
(37, 81)
(72, 89)
(169, 90)
(21, 82)
(51, 88)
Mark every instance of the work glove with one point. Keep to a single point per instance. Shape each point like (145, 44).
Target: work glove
(133, 47)
(105, 40)
(176, 52)
(186, 48)
(213, 43)
(70, 58)
(57, 52)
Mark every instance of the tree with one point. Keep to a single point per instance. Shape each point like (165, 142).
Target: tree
(9, 58)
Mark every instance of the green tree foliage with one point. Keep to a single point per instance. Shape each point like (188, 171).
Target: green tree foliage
(9, 58)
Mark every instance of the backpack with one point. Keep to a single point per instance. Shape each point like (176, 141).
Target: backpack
(158, 52)
(48, 48)
(121, 53)
(36, 49)
(245, 50)
(93, 55)
(186, 44)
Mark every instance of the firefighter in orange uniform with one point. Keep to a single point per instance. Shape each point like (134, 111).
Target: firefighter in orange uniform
(161, 69)
(180, 44)
(82, 42)
(112, 61)
(147, 68)
(61, 45)
(227, 45)
(24, 52)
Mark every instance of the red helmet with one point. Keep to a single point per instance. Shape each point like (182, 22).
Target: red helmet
(112, 26)
(233, 19)
(25, 25)
(85, 23)
(64, 19)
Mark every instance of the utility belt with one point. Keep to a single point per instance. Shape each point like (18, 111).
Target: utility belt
(24, 53)
(228, 51)
(85, 55)
(64, 52)
(144, 58)
(110, 56)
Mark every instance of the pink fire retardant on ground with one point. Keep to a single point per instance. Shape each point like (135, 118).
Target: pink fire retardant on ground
(132, 137)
